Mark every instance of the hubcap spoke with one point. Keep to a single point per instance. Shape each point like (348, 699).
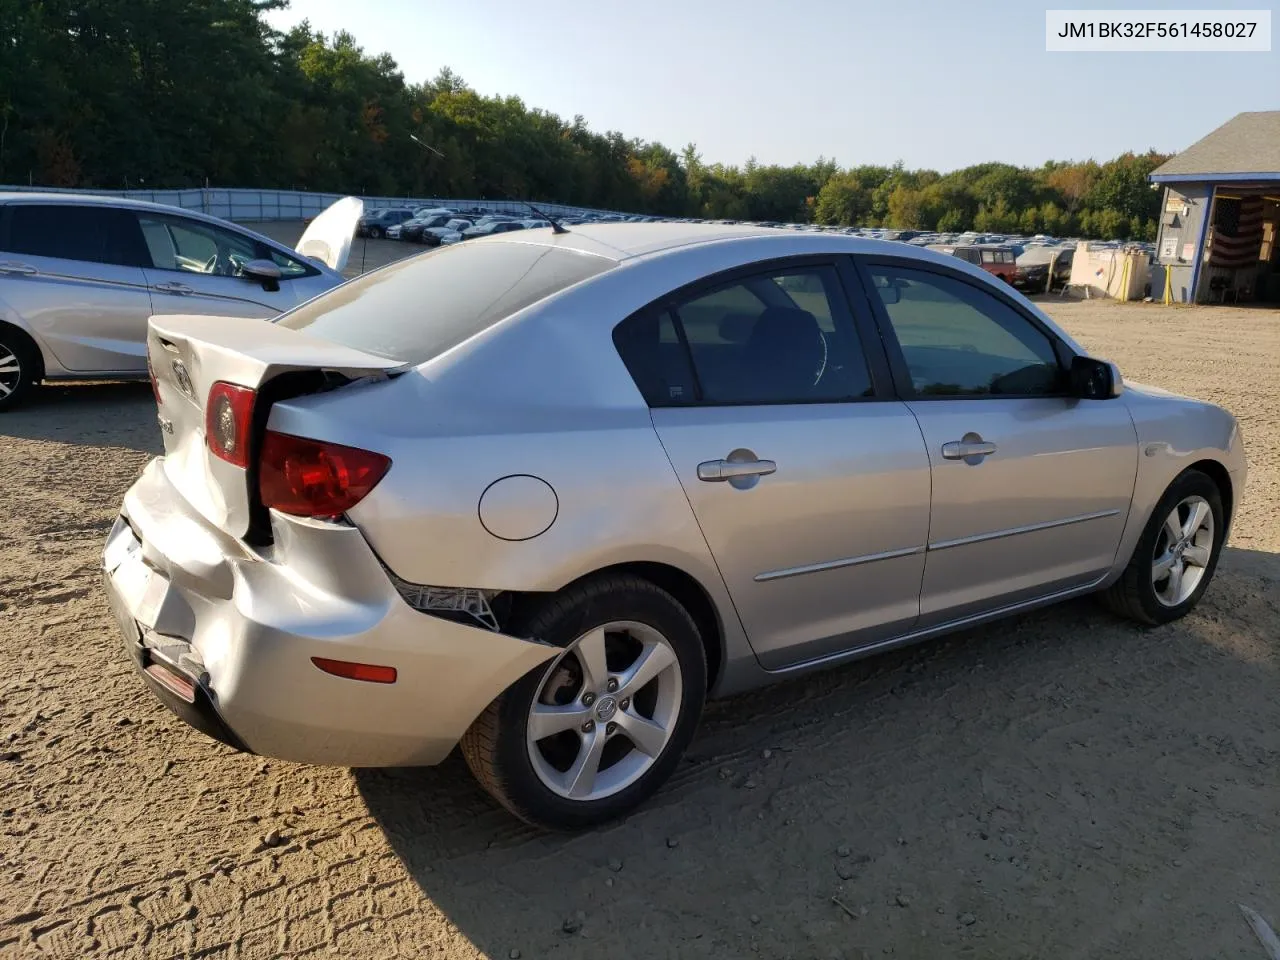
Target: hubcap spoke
(580, 778)
(5, 390)
(1197, 556)
(1174, 589)
(1162, 565)
(1173, 527)
(546, 720)
(1199, 510)
(654, 659)
(648, 736)
(590, 651)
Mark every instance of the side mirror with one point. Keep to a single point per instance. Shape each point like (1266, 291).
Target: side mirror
(264, 272)
(1093, 379)
(889, 289)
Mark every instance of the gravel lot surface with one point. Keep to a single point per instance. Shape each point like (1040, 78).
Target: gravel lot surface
(1059, 785)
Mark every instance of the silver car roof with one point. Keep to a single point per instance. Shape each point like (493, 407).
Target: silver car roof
(627, 241)
(635, 244)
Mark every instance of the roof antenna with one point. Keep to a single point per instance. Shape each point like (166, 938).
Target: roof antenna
(555, 224)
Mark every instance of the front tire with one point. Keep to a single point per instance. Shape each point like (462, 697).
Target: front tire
(1176, 555)
(19, 367)
(375, 233)
(595, 732)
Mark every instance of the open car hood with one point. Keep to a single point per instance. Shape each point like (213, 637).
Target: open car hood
(328, 238)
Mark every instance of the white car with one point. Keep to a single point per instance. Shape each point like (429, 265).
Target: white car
(451, 232)
(80, 276)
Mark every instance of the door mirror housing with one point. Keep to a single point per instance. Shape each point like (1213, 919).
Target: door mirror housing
(889, 289)
(1093, 379)
(265, 272)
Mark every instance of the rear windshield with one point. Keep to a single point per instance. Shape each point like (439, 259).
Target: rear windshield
(418, 308)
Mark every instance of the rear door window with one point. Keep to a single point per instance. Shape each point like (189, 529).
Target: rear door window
(417, 308)
(91, 234)
(772, 338)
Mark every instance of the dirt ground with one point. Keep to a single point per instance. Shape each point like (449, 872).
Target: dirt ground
(1060, 785)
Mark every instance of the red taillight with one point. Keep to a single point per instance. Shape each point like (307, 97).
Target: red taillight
(309, 478)
(155, 387)
(228, 420)
(368, 672)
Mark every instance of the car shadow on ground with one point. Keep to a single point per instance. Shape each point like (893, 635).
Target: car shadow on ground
(118, 414)
(972, 776)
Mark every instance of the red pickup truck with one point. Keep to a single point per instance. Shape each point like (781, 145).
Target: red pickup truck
(992, 257)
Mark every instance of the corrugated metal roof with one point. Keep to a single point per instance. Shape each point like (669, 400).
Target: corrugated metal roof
(1247, 143)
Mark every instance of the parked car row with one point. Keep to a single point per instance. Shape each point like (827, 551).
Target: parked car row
(1023, 262)
(1036, 264)
(433, 226)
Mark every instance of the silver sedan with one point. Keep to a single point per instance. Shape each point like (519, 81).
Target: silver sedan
(540, 495)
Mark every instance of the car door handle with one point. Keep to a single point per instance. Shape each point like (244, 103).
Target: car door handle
(178, 288)
(715, 471)
(15, 269)
(967, 449)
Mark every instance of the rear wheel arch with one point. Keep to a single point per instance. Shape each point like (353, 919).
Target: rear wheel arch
(499, 747)
(685, 589)
(23, 366)
(24, 339)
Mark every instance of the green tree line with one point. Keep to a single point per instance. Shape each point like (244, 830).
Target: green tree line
(180, 93)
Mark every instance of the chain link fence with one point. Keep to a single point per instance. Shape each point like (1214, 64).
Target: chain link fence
(248, 204)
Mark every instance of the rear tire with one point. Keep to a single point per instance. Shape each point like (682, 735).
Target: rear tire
(540, 779)
(375, 233)
(1145, 592)
(20, 366)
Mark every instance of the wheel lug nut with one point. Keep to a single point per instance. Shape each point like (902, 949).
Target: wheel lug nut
(624, 703)
(612, 685)
(588, 726)
(588, 699)
(611, 728)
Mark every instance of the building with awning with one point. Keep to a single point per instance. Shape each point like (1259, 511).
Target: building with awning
(1220, 215)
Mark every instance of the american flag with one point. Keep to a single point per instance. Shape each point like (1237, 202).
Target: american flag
(1237, 231)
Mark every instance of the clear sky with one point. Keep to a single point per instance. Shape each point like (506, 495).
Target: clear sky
(933, 83)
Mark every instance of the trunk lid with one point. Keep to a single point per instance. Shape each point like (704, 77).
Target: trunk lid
(189, 354)
(328, 237)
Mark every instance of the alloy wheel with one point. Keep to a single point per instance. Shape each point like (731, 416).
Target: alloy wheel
(1182, 551)
(10, 370)
(605, 710)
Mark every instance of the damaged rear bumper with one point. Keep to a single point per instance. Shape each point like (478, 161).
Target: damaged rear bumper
(225, 636)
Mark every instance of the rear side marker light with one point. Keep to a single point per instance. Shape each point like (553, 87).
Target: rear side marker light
(175, 683)
(369, 672)
(228, 419)
(311, 478)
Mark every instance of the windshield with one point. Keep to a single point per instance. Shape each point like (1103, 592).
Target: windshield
(416, 309)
